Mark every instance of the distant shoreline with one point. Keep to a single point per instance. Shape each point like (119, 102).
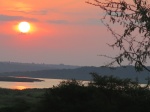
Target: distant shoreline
(19, 79)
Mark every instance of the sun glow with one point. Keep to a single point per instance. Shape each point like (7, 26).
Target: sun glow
(24, 27)
(20, 87)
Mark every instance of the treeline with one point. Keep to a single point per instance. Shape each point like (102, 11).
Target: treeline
(82, 73)
(22, 67)
(103, 94)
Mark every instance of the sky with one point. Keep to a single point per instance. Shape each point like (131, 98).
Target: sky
(62, 32)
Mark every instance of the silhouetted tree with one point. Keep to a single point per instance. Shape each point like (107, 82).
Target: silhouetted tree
(103, 94)
(134, 19)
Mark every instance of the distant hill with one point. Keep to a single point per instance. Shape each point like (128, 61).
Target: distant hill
(14, 66)
(82, 73)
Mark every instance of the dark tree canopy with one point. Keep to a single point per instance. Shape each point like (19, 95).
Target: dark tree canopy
(134, 19)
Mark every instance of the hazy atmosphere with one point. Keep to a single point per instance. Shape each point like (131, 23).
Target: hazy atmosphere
(62, 32)
(53, 55)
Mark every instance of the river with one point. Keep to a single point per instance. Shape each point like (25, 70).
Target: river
(47, 83)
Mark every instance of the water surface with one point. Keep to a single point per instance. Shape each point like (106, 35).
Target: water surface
(47, 83)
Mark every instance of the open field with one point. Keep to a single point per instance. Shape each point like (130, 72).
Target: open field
(19, 100)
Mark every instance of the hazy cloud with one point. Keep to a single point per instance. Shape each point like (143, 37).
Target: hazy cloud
(58, 21)
(41, 12)
(15, 18)
(91, 21)
(34, 12)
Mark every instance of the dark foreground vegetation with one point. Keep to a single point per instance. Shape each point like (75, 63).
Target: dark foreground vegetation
(103, 94)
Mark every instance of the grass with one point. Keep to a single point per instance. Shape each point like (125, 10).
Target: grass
(19, 99)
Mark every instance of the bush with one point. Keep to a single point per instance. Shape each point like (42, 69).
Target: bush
(103, 94)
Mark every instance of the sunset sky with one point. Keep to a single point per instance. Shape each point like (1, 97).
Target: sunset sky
(62, 32)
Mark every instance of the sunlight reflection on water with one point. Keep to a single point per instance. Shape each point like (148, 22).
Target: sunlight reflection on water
(47, 83)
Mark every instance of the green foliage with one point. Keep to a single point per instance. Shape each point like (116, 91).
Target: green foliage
(113, 83)
(134, 20)
(103, 94)
(19, 101)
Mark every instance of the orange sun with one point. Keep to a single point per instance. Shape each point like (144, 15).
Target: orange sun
(24, 27)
